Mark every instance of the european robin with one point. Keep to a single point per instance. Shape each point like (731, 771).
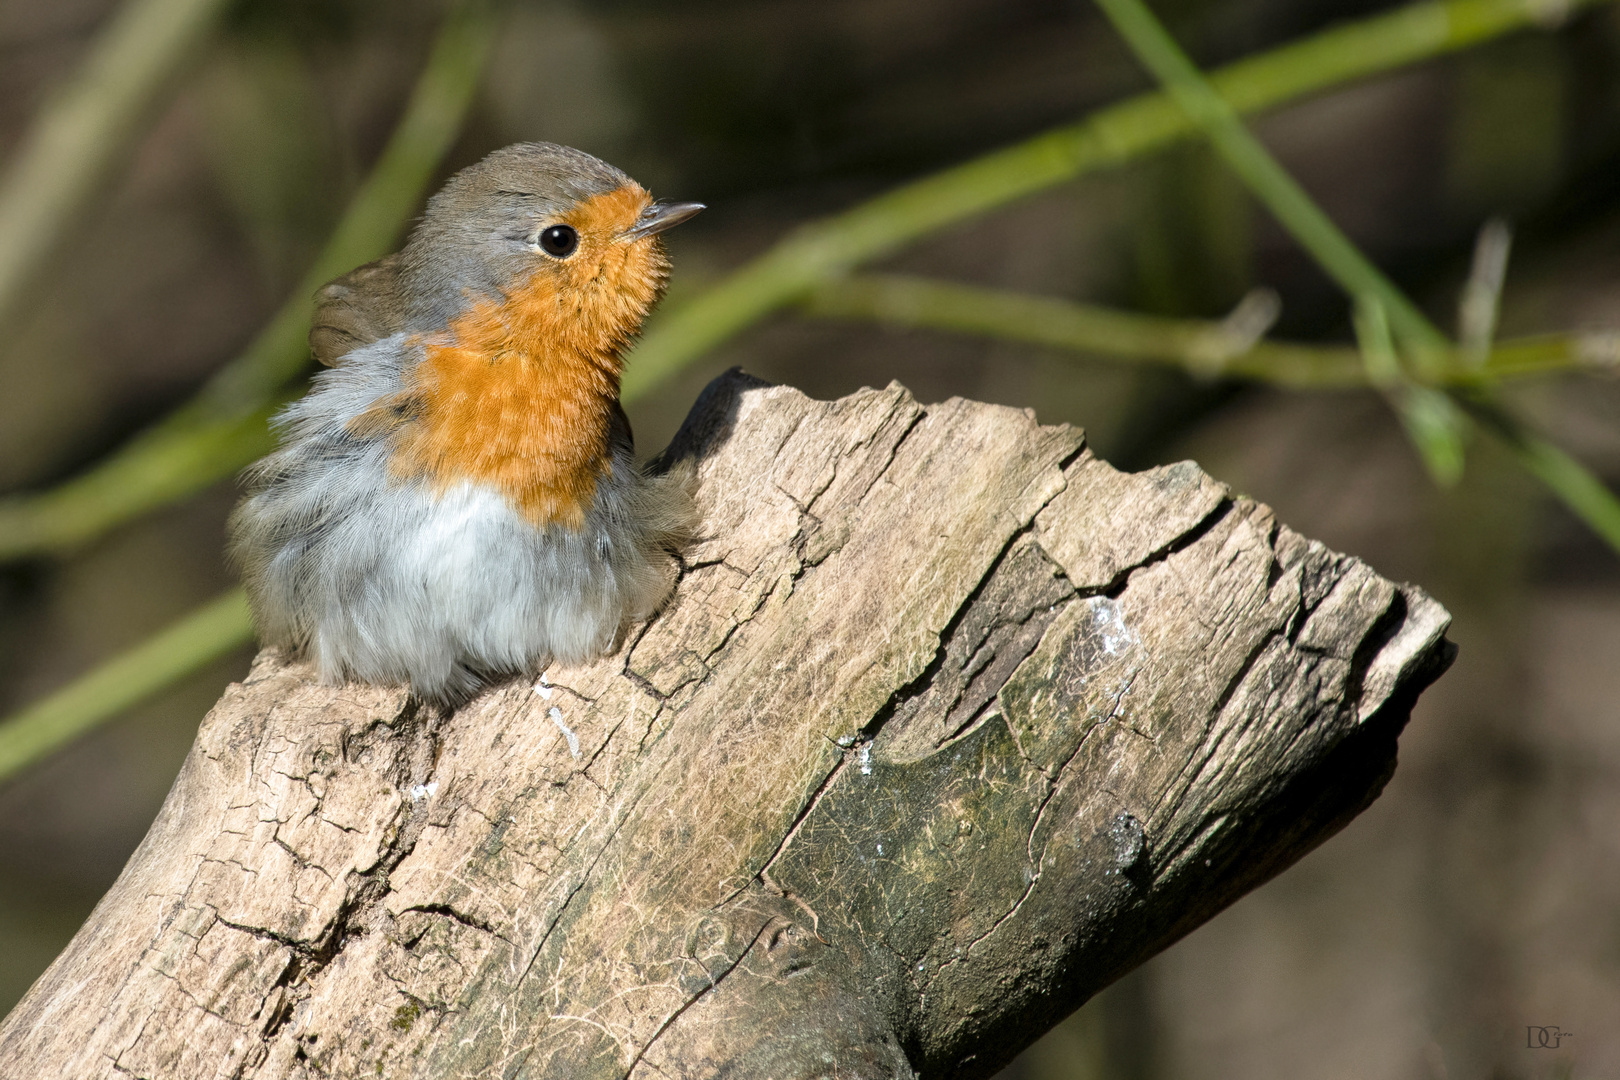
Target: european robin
(457, 500)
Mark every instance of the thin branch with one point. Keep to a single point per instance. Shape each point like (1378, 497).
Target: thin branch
(87, 126)
(1108, 137)
(376, 217)
(205, 635)
(163, 465)
(1481, 300)
(147, 474)
(1584, 494)
(1433, 423)
(1263, 174)
(1202, 347)
(1433, 420)
(222, 428)
(1429, 418)
(825, 251)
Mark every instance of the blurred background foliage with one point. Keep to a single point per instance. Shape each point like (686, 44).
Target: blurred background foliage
(1476, 898)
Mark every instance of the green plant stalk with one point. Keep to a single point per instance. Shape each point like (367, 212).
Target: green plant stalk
(1109, 137)
(1429, 417)
(910, 302)
(87, 126)
(829, 249)
(1199, 346)
(1378, 357)
(1433, 420)
(206, 634)
(375, 220)
(1266, 178)
(222, 427)
(141, 476)
(155, 469)
(1584, 494)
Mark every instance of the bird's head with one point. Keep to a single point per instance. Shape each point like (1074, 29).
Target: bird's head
(538, 244)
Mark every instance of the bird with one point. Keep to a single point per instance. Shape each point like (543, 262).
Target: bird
(456, 500)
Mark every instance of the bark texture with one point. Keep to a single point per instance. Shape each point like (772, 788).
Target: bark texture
(948, 725)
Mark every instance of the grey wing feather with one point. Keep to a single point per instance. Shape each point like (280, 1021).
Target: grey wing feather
(357, 309)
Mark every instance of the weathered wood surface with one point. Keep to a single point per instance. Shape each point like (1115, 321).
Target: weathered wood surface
(948, 725)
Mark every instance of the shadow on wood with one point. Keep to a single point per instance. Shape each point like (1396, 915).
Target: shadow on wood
(948, 725)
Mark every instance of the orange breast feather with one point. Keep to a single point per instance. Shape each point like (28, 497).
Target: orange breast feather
(518, 395)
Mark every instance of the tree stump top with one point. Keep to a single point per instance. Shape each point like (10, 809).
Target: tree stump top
(948, 725)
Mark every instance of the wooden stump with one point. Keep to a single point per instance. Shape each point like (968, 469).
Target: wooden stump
(948, 725)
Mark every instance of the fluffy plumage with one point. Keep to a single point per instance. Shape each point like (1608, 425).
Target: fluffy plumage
(458, 500)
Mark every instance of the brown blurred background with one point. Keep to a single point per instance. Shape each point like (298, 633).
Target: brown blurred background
(1478, 897)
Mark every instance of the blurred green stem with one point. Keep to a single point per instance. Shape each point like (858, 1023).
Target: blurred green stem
(376, 217)
(1432, 419)
(86, 126)
(1202, 347)
(1432, 422)
(226, 415)
(220, 430)
(1584, 494)
(223, 428)
(1267, 179)
(206, 634)
(1108, 137)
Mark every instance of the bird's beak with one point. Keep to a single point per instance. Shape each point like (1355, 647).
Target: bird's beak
(660, 216)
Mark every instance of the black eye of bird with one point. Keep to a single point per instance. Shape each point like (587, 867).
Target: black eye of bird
(559, 241)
